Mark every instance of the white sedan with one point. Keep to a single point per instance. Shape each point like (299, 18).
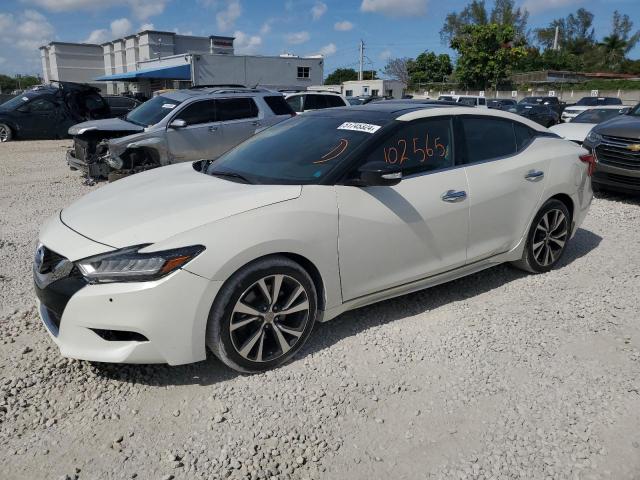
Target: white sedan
(318, 215)
(578, 129)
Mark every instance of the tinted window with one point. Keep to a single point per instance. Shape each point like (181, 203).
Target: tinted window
(301, 150)
(523, 135)
(612, 101)
(41, 105)
(295, 102)
(314, 102)
(152, 111)
(334, 101)
(467, 101)
(278, 105)
(119, 102)
(94, 102)
(487, 138)
(15, 102)
(236, 108)
(422, 145)
(597, 115)
(198, 112)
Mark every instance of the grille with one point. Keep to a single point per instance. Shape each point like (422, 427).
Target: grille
(81, 148)
(621, 179)
(614, 151)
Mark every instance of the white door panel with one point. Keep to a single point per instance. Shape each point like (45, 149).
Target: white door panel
(389, 236)
(502, 201)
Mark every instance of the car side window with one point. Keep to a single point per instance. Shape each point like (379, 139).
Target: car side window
(41, 105)
(295, 102)
(487, 138)
(198, 112)
(334, 101)
(314, 102)
(420, 146)
(524, 135)
(235, 109)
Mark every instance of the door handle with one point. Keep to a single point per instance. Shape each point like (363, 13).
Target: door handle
(213, 129)
(534, 175)
(453, 196)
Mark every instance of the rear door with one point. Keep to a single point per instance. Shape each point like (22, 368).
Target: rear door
(201, 138)
(240, 118)
(506, 182)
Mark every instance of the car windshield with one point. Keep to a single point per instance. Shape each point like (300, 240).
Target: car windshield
(15, 102)
(302, 150)
(597, 115)
(152, 111)
(635, 111)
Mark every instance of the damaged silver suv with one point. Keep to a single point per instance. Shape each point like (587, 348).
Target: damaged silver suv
(178, 126)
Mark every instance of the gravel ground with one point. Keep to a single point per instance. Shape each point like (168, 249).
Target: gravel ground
(498, 375)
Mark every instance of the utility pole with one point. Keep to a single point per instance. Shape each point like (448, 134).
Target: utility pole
(361, 60)
(555, 39)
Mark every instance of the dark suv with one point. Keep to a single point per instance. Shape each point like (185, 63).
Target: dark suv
(616, 144)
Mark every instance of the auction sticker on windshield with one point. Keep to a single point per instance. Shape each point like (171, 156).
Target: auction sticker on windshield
(359, 127)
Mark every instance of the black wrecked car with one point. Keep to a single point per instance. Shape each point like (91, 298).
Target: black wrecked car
(539, 113)
(49, 111)
(616, 144)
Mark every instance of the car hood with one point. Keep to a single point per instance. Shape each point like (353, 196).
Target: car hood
(627, 126)
(160, 203)
(573, 131)
(106, 125)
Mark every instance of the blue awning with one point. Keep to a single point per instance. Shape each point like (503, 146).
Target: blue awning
(171, 72)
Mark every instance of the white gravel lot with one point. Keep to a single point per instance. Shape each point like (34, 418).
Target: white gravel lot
(498, 375)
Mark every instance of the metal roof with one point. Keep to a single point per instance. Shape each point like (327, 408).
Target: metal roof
(172, 72)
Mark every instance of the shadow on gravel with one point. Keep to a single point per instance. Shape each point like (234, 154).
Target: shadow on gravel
(612, 196)
(212, 371)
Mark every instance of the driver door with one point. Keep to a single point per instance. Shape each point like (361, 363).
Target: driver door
(394, 235)
(38, 118)
(201, 138)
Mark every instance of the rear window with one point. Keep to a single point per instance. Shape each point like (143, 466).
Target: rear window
(278, 105)
(314, 102)
(236, 109)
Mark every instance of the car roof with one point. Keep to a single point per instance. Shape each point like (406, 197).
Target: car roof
(182, 95)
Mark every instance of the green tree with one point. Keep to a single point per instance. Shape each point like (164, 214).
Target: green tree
(428, 68)
(575, 33)
(486, 54)
(619, 42)
(340, 75)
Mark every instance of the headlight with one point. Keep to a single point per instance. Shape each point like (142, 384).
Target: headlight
(129, 265)
(594, 137)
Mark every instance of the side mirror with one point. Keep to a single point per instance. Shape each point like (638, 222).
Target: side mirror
(178, 123)
(377, 174)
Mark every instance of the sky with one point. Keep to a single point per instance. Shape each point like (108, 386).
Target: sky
(389, 28)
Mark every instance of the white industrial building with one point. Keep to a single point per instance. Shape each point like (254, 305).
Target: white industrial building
(366, 88)
(153, 60)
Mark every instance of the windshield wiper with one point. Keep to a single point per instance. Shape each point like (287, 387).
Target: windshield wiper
(232, 175)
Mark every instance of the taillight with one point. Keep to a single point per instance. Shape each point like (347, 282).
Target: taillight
(589, 159)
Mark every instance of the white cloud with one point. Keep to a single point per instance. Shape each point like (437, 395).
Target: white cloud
(385, 54)
(266, 27)
(343, 26)
(20, 36)
(536, 6)
(318, 10)
(328, 49)
(296, 38)
(147, 26)
(395, 8)
(101, 35)
(245, 43)
(141, 9)
(121, 27)
(226, 18)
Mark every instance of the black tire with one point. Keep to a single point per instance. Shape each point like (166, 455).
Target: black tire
(6, 134)
(226, 345)
(534, 257)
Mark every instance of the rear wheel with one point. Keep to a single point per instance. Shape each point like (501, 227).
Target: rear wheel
(6, 134)
(547, 238)
(263, 315)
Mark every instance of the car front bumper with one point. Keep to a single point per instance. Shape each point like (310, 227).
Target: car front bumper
(93, 170)
(161, 321)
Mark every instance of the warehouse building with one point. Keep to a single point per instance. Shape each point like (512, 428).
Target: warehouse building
(367, 88)
(152, 60)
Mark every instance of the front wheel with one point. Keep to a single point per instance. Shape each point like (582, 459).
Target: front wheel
(263, 315)
(6, 134)
(547, 238)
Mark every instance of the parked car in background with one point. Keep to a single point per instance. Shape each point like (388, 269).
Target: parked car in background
(177, 126)
(121, 105)
(552, 102)
(581, 125)
(363, 100)
(616, 144)
(47, 113)
(539, 113)
(308, 100)
(585, 103)
(501, 103)
(243, 255)
(471, 101)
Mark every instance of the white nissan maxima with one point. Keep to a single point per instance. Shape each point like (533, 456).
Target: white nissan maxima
(315, 216)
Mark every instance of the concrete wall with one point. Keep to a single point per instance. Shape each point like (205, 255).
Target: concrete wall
(184, 44)
(269, 72)
(72, 62)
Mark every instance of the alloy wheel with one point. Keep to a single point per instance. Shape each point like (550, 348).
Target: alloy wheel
(269, 318)
(550, 237)
(4, 133)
